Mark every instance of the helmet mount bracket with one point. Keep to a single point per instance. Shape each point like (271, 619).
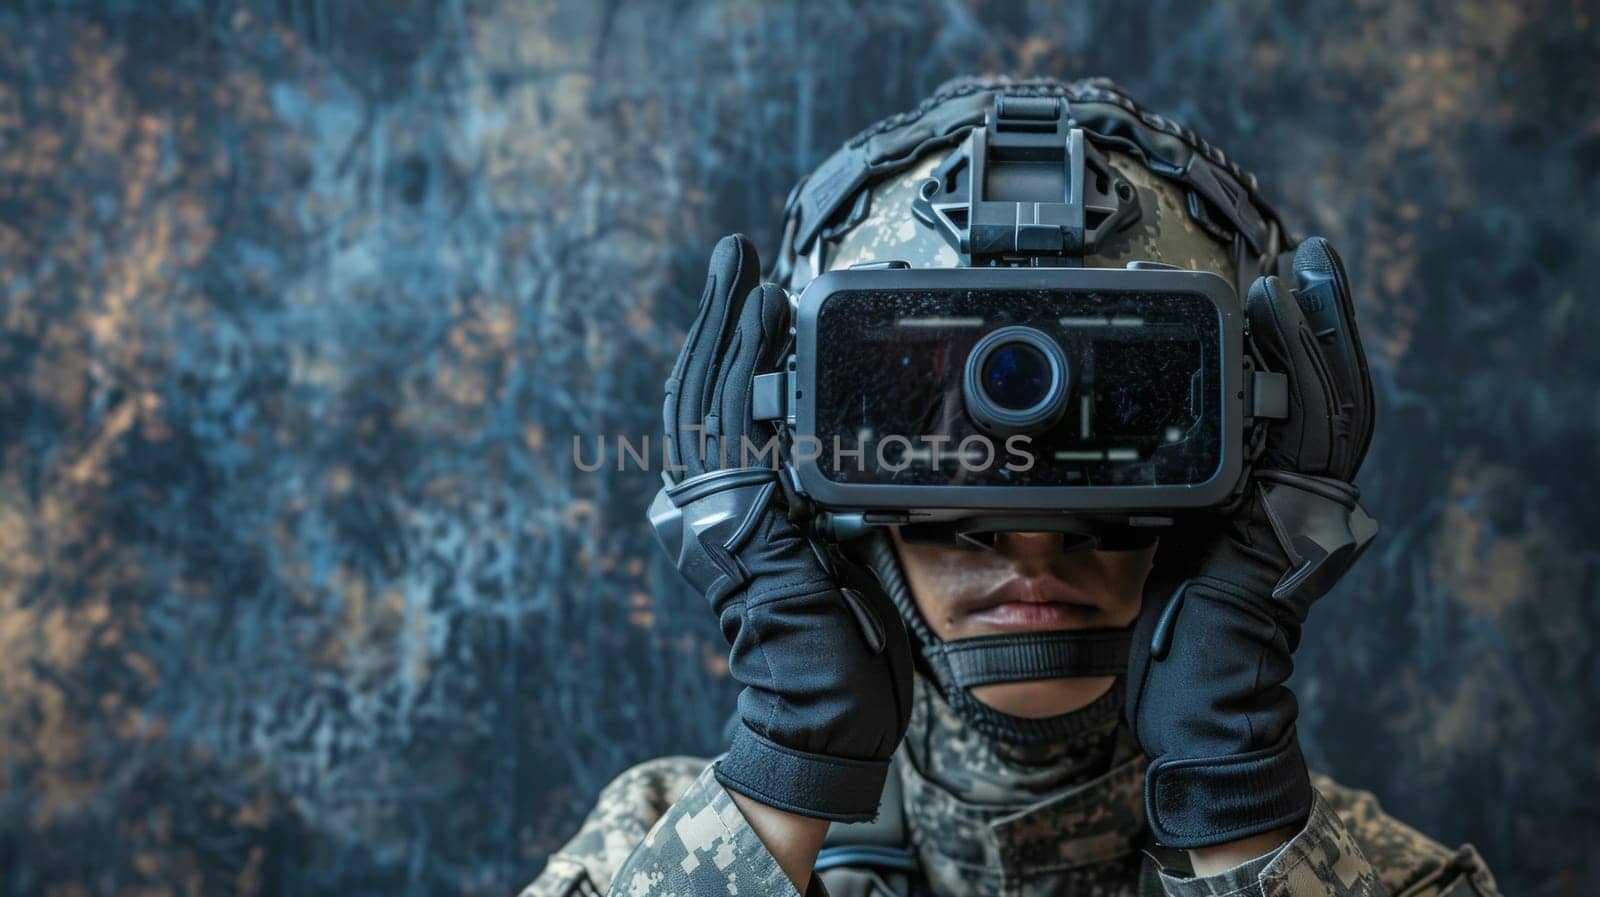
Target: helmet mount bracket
(1027, 189)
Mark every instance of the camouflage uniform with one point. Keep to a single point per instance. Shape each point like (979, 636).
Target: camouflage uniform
(989, 818)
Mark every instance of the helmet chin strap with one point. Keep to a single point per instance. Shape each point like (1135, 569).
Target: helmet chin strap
(1025, 657)
(960, 665)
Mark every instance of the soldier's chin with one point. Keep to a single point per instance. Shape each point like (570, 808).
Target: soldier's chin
(1044, 697)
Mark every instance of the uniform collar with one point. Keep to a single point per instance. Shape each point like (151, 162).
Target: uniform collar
(982, 813)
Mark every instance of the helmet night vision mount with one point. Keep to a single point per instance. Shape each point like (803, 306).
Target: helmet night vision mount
(1021, 391)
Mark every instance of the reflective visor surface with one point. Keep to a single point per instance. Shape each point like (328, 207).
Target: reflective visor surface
(1142, 381)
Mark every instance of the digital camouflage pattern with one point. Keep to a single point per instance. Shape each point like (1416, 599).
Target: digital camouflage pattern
(958, 759)
(1407, 862)
(993, 818)
(973, 835)
(1085, 840)
(702, 845)
(621, 818)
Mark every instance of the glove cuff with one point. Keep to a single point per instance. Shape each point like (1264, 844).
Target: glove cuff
(815, 785)
(1209, 801)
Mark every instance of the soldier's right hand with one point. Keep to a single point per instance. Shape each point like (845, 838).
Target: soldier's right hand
(826, 670)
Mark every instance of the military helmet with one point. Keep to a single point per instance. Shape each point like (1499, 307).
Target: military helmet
(1099, 182)
(1195, 209)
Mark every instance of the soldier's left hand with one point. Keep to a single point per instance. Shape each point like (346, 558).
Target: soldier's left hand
(1227, 595)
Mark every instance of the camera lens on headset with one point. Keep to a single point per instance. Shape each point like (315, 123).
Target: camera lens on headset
(1016, 376)
(1016, 381)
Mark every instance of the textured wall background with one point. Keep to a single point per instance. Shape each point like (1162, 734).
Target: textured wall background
(303, 300)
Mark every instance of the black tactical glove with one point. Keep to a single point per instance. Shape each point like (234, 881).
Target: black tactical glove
(1227, 595)
(826, 670)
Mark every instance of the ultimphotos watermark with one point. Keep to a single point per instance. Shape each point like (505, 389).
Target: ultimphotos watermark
(976, 453)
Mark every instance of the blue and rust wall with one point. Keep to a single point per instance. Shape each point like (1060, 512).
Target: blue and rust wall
(303, 302)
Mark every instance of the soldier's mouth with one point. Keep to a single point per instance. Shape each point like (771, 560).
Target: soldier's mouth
(1033, 602)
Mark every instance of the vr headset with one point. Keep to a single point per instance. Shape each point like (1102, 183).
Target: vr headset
(972, 400)
(1018, 393)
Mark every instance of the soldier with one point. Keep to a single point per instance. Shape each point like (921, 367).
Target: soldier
(865, 757)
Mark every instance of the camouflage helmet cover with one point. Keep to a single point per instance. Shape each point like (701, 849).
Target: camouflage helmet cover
(1164, 231)
(1198, 209)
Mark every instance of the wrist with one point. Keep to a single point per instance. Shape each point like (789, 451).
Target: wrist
(1220, 858)
(792, 839)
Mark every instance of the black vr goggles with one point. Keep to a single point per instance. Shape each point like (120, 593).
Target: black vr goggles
(959, 400)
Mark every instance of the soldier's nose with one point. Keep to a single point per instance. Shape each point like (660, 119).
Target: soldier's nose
(1030, 554)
